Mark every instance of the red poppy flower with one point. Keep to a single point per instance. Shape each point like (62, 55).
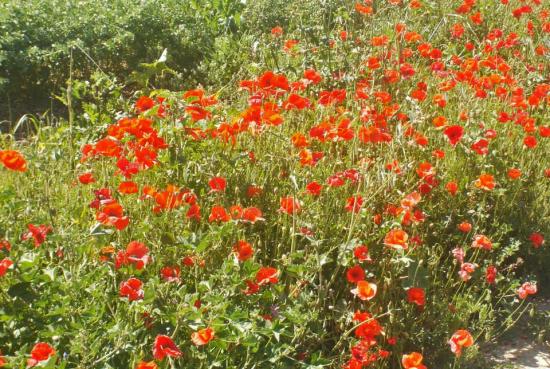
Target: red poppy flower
(483, 242)
(536, 239)
(354, 203)
(466, 269)
(171, 198)
(312, 76)
(243, 250)
(295, 101)
(530, 141)
(5, 264)
(251, 288)
(217, 184)
(218, 214)
(253, 191)
(491, 274)
(202, 337)
(412, 361)
(164, 346)
(128, 188)
(37, 233)
(277, 31)
(514, 173)
(13, 160)
(112, 214)
(144, 103)
(147, 365)
(170, 274)
(252, 215)
(131, 289)
(136, 253)
(365, 290)
(355, 274)
(361, 252)
(289, 205)
(527, 289)
(485, 182)
(40, 352)
(396, 239)
(465, 227)
(461, 338)
(454, 134)
(363, 9)
(194, 212)
(314, 188)
(86, 178)
(416, 295)
(5, 244)
(267, 275)
(451, 187)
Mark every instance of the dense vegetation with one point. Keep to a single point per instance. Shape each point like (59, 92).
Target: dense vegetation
(289, 185)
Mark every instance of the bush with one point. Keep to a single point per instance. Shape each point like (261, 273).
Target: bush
(39, 38)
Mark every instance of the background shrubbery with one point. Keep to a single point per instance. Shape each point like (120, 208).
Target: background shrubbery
(38, 38)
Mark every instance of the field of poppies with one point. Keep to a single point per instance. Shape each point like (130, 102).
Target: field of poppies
(370, 190)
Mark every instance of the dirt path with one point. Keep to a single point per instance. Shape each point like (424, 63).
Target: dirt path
(520, 350)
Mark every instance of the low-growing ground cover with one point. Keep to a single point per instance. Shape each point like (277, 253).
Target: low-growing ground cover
(375, 197)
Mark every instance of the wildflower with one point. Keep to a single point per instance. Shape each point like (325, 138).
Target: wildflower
(136, 253)
(243, 250)
(217, 184)
(202, 337)
(365, 290)
(267, 275)
(514, 173)
(527, 289)
(412, 361)
(361, 252)
(164, 346)
(454, 134)
(131, 289)
(369, 327)
(416, 295)
(86, 178)
(128, 188)
(314, 188)
(451, 187)
(146, 365)
(485, 182)
(354, 203)
(277, 31)
(170, 274)
(251, 288)
(5, 264)
(38, 233)
(465, 227)
(5, 244)
(491, 274)
(355, 274)
(13, 160)
(460, 339)
(396, 239)
(40, 352)
(466, 269)
(289, 205)
(218, 214)
(536, 239)
(482, 242)
(252, 215)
